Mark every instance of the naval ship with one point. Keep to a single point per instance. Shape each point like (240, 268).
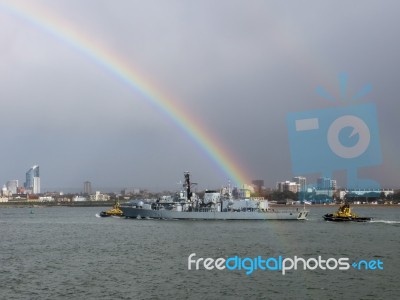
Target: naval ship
(214, 206)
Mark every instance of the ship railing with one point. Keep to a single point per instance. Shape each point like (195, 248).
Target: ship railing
(284, 210)
(257, 198)
(193, 209)
(201, 209)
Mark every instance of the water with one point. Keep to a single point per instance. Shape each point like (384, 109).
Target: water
(69, 253)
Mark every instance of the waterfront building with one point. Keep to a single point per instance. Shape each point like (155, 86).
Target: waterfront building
(32, 183)
(288, 186)
(372, 192)
(325, 183)
(98, 196)
(12, 186)
(79, 199)
(258, 185)
(302, 182)
(4, 191)
(87, 188)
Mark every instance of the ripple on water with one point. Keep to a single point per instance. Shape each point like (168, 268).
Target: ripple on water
(64, 253)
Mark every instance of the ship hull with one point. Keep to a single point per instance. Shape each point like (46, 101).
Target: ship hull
(139, 213)
(332, 218)
(105, 214)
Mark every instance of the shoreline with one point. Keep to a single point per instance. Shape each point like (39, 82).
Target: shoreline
(337, 205)
(24, 204)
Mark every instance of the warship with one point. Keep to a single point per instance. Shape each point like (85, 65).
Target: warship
(215, 205)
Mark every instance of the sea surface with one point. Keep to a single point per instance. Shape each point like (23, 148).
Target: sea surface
(69, 253)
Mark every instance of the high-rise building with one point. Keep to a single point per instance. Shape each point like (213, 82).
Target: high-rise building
(32, 183)
(288, 186)
(258, 185)
(87, 187)
(4, 191)
(325, 183)
(12, 186)
(302, 181)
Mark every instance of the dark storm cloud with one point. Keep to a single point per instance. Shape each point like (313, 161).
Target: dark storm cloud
(239, 66)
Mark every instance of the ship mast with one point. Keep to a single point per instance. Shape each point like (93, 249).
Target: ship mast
(188, 184)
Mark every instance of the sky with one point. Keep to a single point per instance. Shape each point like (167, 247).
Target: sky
(236, 68)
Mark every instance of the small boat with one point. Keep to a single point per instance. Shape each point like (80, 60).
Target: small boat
(114, 211)
(344, 214)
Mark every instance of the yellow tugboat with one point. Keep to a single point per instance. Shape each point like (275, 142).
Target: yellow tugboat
(114, 211)
(344, 214)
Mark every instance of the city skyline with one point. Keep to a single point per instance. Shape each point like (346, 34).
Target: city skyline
(32, 185)
(236, 77)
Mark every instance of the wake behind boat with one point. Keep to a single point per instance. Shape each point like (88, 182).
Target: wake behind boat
(214, 206)
(344, 214)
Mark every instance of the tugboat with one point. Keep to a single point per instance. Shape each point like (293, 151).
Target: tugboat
(114, 211)
(344, 214)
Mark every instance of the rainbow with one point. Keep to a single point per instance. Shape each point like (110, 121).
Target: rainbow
(114, 64)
